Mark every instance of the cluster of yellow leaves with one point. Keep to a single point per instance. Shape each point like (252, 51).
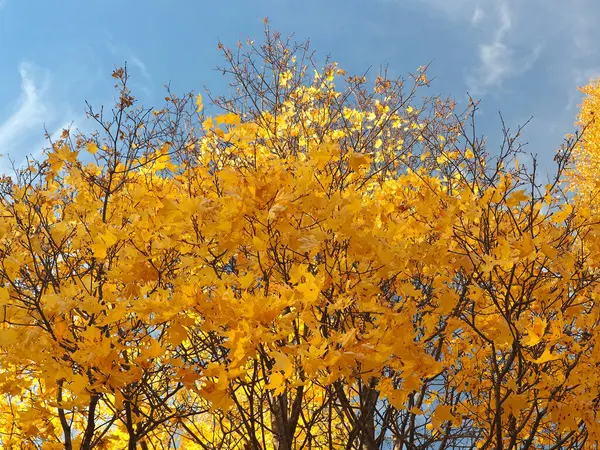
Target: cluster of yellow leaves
(279, 260)
(585, 177)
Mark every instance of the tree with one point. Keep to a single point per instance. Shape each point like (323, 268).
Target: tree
(327, 263)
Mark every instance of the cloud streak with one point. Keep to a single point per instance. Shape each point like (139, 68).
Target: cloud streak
(495, 58)
(30, 114)
(492, 26)
(498, 59)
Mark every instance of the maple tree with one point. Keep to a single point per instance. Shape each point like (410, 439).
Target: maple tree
(327, 262)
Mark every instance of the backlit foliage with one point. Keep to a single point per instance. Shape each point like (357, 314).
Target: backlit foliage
(586, 176)
(325, 262)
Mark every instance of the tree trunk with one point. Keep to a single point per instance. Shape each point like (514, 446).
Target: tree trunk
(285, 420)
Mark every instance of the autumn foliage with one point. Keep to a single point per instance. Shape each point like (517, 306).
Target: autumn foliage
(322, 262)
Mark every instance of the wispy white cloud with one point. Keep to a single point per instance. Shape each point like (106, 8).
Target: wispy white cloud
(527, 58)
(581, 17)
(31, 113)
(140, 66)
(498, 59)
(477, 16)
(45, 102)
(509, 37)
(492, 26)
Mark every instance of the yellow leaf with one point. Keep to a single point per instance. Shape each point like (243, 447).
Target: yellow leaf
(447, 302)
(228, 119)
(515, 403)
(79, 384)
(277, 383)
(526, 247)
(176, 334)
(563, 214)
(443, 413)
(92, 148)
(546, 357)
(516, 198)
(308, 291)
(61, 329)
(4, 297)
(247, 280)
(416, 411)
(64, 154)
(217, 394)
(284, 78)
(154, 351)
(259, 244)
(99, 250)
(549, 251)
(357, 160)
(535, 333)
(8, 336)
(283, 363)
(411, 383)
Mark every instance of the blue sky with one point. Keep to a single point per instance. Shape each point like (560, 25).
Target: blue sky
(523, 58)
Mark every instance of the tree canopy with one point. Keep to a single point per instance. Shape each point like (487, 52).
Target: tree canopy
(328, 261)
